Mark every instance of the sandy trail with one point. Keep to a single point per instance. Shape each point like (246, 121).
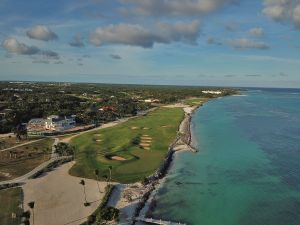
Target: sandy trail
(59, 197)
(26, 143)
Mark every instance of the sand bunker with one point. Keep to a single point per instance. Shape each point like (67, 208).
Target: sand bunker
(146, 142)
(146, 128)
(134, 128)
(118, 158)
(98, 135)
(99, 140)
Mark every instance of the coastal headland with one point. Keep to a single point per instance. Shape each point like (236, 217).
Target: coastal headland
(141, 146)
(132, 153)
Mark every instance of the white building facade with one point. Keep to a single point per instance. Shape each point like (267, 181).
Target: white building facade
(56, 123)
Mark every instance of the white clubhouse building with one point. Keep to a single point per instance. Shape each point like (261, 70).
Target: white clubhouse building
(51, 124)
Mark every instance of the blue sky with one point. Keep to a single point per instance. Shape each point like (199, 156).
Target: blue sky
(188, 42)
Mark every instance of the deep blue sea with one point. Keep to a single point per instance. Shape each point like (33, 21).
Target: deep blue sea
(247, 171)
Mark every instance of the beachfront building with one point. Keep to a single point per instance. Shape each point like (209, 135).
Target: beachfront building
(151, 101)
(212, 92)
(51, 124)
(59, 124)
(36, 127)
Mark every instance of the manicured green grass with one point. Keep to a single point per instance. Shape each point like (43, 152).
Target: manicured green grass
(10, 201)
(95, 149)
(195, 101)
(29, 157)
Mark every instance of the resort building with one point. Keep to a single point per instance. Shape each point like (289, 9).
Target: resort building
(212, 92)
(56, 123)
(151, 100)
(51, 124)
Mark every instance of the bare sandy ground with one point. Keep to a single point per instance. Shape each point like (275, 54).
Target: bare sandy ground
(126, 198)
(59, 197)
(187, 109)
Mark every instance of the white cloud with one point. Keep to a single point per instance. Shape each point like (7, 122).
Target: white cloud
(41, 32)
(13, 46)
(283, 11)
(174, 7)
(256, 32)
(244, 43)
(137, 35)
(296, 15)
(239, 43)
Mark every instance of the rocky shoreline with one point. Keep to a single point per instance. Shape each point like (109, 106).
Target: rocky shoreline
(181, 143)
(144, 202)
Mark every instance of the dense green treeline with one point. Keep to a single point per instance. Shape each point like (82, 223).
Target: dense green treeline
(91, 103)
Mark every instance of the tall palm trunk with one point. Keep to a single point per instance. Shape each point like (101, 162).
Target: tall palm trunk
(110, 169)
(31, 206)
(83, 184)
(84, 194)
(32, 216)
(97, 176)
(98, 185)
(109, 176)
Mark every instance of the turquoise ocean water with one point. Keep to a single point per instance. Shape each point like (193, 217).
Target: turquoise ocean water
(247, 171)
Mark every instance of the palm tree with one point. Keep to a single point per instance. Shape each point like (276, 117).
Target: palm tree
(97, 175)
(110, 169)
(83, 184)
(31, 206)
(106, 178)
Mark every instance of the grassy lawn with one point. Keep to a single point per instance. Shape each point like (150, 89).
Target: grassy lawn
(24, 158)
(140, 143)
(195, 101)
(10, 200)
